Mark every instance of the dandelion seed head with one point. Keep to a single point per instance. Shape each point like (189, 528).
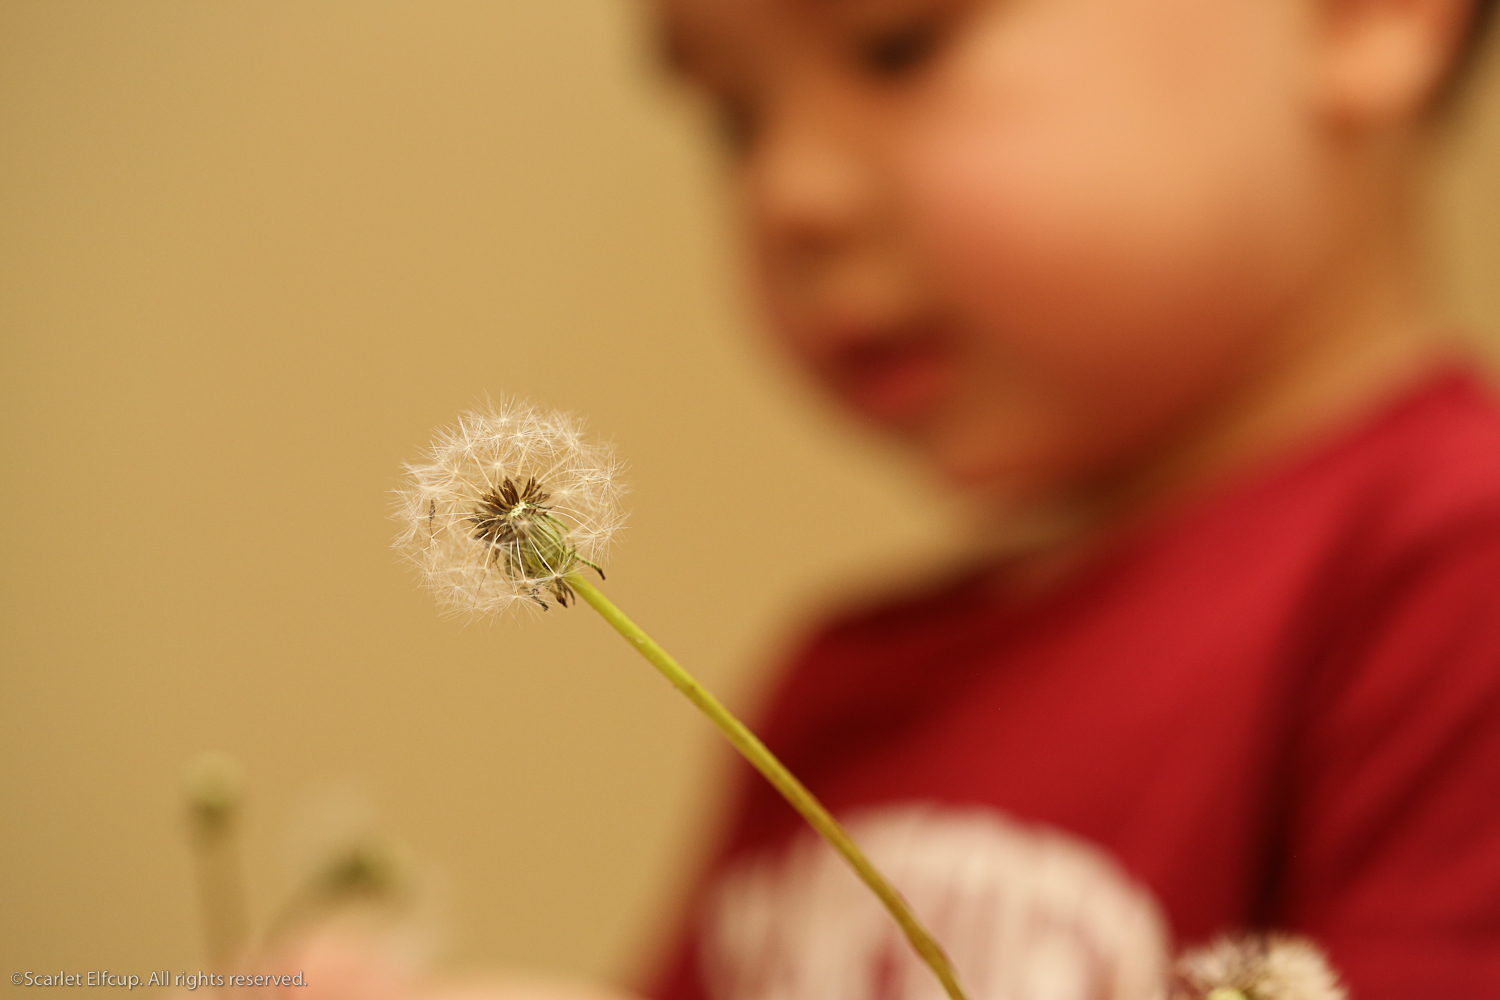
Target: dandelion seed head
(1269, 967)
(506, 503)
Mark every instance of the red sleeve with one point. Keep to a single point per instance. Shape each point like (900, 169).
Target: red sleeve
(1394, 863)
(676, 978)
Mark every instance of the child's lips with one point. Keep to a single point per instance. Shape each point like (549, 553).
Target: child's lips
(892, 376)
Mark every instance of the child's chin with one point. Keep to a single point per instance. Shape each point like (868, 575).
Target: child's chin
(996, 482)
(999, 487)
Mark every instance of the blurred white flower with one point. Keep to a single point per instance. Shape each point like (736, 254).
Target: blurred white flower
(508, 502)
(1270, 967)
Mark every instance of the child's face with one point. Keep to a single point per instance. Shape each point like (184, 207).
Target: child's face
(1031, 238)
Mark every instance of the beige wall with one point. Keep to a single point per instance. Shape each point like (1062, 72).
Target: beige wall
(250, 253)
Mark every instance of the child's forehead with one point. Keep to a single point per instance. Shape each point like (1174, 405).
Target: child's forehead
(704, 14)
(698, 32)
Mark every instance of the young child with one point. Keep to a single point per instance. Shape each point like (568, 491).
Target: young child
(1144, 278)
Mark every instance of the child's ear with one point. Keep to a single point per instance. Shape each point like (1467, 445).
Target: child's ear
(1384, 60)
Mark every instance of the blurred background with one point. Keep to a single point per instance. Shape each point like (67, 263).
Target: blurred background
(251, 253)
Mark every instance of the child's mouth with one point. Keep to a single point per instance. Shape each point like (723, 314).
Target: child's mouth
(892, 375)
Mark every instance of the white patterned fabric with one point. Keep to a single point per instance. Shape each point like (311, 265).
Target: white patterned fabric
(1024, 913)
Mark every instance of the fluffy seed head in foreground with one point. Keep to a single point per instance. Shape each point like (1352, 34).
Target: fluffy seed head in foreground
(506, 503)
(1272, 967)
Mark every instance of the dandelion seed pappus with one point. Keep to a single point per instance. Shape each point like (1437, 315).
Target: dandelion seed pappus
(504, 505)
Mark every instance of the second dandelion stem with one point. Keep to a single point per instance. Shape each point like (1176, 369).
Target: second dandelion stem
(785, 782)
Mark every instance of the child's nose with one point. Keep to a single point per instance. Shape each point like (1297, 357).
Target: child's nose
(813, 188)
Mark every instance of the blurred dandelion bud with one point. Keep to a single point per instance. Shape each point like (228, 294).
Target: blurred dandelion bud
(372, 868)
(369, 874)
(1258, 967)
(212, 786)
(363, 918)
(507, 503)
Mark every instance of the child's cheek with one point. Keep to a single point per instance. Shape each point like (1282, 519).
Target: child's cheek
(1112, 259)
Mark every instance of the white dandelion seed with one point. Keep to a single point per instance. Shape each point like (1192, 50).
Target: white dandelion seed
(1270, 967)
(507, 502)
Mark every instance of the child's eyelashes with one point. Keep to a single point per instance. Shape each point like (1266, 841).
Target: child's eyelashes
(871, 57)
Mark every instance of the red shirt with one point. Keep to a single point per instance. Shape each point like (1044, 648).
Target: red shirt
(1279, 709)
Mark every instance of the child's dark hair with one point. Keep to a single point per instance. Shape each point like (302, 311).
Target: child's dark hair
(1447, 99)
(1479, 24)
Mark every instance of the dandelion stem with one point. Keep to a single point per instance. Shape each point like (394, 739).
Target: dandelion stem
(776, 773)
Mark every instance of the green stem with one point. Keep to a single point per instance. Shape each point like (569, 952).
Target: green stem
(766, 763)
